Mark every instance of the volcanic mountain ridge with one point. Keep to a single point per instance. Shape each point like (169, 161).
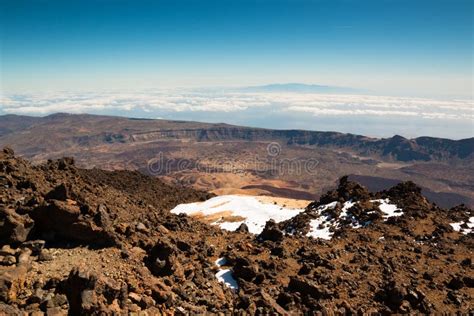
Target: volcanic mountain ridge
(78, 241)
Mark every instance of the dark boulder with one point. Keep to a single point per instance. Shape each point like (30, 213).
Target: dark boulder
(271, 232)
(245, 269)
(64, 220)
(162, 260)
(309, 288)
(243, 228)
(61, 192)
(88, 293)
(14, 228)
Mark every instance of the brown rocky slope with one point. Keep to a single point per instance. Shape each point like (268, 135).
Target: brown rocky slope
(94, 242)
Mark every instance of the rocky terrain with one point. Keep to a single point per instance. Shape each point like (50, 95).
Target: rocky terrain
(227, 159)
(77, 241)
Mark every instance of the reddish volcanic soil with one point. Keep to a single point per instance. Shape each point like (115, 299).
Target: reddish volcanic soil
(97, 242)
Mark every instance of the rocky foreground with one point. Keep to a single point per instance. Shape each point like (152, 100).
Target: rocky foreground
(77, 241)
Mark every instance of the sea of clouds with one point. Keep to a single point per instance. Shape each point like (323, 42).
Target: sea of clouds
(363, 114)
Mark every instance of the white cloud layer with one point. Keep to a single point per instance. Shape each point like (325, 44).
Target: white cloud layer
(225, 102)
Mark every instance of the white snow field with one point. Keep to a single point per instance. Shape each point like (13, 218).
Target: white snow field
(254, 212)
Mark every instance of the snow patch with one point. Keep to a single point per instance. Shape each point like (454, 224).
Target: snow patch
(389, 210)
(254, 212)
(232, 226)
(220, 262)
(319, 229)
(325, 225)
(225, 275)
(464, 227)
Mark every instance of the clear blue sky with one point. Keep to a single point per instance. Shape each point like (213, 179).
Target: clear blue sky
(404, 47)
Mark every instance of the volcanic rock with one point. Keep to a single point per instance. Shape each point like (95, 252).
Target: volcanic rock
(14, 228)
(103, 242)
(271, 232)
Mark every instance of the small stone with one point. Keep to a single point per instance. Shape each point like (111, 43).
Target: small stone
(405, 307)
(9, 151)
(456, 283)
(162, 229)
(7, 250)
(124, 254)
(468, 281)
(45, 256)
(37, 297)
(455, 297)
(60, 300)
(24, 256)
(134, 308)
(9, 260)
(466, 262)
(142, 228)
(428, 276)
(243, 228)
(134, 297)
(147, 302)
(34, 245)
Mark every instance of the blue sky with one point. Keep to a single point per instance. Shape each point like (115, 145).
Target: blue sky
(408, 63)
(403, 48)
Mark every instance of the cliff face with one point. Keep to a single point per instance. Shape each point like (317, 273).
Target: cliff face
(89, 130)
(397, 147)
